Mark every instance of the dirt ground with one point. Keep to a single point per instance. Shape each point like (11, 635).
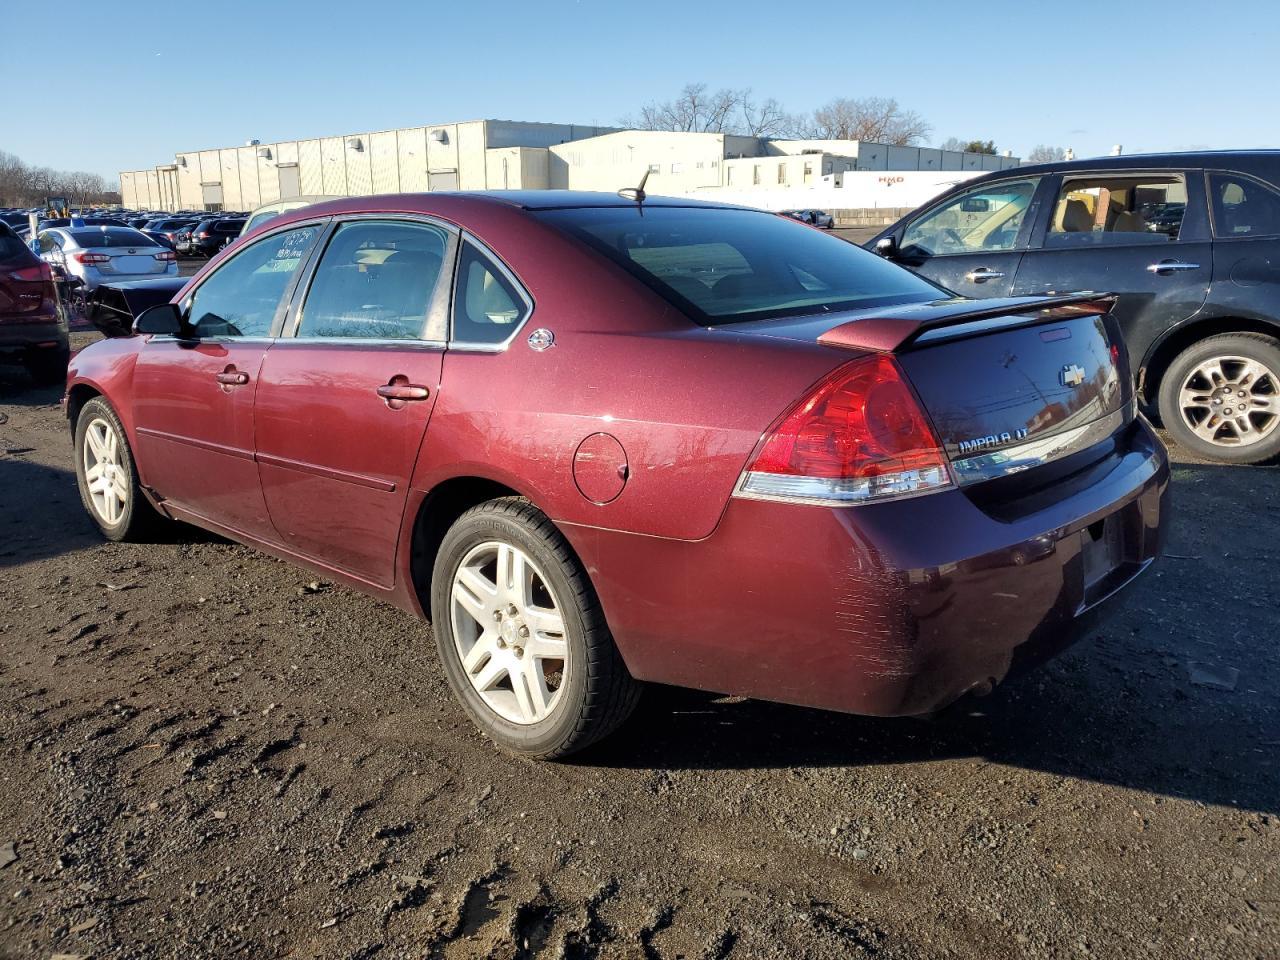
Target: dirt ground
(207, 753)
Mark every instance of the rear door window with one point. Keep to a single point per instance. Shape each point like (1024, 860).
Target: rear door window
(375, 280)
(1118, 209)
(1243, 207)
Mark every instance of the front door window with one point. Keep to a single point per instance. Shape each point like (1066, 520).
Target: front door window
(986, 218)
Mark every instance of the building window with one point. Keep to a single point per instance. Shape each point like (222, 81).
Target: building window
(698, 165)
(677, 168)
(782, 173)
(655, 168)
(808, 172)
(728, 175)
(755, 174)
(714, 164)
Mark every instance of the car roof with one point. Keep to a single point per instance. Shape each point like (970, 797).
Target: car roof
(1189, 158)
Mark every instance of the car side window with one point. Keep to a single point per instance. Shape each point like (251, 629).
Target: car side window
(1107, 210)
(240, 298)
(374, 281)
(1243, 207)
(487, 308)
(984, 218)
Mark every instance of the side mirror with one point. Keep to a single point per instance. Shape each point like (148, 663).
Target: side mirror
(162, 319)
(886, 247)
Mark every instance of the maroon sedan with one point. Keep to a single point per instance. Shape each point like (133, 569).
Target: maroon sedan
(599, 442)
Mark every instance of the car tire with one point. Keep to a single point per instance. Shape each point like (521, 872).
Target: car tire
(1206, 379)
(120, 510)
(594, 693)
(48, 367)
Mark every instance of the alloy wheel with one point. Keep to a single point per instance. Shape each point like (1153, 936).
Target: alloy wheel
(1231, 401)
(105, 475)
(509, 632)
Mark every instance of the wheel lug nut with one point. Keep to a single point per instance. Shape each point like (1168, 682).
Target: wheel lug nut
(497, 615)
(524, 632)
(511, 609)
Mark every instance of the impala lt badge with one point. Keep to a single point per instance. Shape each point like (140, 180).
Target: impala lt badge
(1072, 375)
(993, 440)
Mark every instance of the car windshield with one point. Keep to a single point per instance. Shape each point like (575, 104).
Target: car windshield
(111, 237)
(724, 265)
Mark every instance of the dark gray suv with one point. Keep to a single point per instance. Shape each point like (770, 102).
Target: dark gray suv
(1189, 241)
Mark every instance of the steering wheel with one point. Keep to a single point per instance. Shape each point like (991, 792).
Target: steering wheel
(950, 237)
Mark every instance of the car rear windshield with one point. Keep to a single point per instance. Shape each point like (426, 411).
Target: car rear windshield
(111, 237)
(725, 266)
(12, 247)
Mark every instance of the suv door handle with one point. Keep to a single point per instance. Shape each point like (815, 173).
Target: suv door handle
(1170, 266)
(982, 274)
(233, 378)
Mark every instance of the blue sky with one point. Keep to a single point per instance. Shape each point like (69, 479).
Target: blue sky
(1164, 75)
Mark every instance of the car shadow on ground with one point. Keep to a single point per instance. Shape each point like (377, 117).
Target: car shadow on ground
(1176, 692)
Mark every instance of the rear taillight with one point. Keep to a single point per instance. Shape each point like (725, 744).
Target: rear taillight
(91, 258)
(166, 255)
(203, 234)
(34, 274)
(860, 436)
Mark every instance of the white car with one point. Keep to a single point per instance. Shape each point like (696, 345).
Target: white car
(100, 254)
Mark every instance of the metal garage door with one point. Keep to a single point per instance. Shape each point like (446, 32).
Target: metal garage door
(442, 180)
(290, 182)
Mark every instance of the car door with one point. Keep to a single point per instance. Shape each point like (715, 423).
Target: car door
(972, 241)
(194, 393)
(343, 400)
(1118, 231)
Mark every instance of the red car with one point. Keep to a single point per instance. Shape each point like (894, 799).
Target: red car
(599, 441)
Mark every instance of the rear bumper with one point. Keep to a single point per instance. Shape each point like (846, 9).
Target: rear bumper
(43, 332)
(889, 609)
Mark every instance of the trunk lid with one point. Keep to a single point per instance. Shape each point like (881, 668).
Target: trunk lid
(1009, 383)
(129, 261)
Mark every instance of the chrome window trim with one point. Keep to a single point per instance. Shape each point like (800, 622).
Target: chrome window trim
(1043, 450)
(171, 338)
(472, 346)
(436, 320)
(364, 342)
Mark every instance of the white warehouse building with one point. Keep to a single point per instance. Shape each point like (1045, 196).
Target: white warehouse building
(509, 155)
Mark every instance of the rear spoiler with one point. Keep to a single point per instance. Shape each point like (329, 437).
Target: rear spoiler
(890, 332)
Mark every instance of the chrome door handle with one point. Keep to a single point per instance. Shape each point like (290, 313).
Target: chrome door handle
(233, 378)
(982, 274)
(1171, 266)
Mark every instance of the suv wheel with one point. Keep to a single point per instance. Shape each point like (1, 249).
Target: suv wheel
(106, 475)
(1220, 398)
(521, 634)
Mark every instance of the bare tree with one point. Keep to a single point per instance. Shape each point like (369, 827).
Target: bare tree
(1045, 154)
(694, 111)
(878, 119)
(766, 119)
(24, 186)
(968, 146)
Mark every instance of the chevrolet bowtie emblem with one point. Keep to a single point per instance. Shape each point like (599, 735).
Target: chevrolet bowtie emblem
(1072, 375)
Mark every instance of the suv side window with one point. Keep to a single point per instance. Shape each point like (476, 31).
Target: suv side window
(240, 298)
(374, 281)
(1243, 207)
(1118, 209)
(487, 308)
(984, 218)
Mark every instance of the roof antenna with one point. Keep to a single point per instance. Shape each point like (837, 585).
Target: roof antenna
(636, 193)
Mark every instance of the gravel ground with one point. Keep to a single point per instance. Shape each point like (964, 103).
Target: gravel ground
(207, 753)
